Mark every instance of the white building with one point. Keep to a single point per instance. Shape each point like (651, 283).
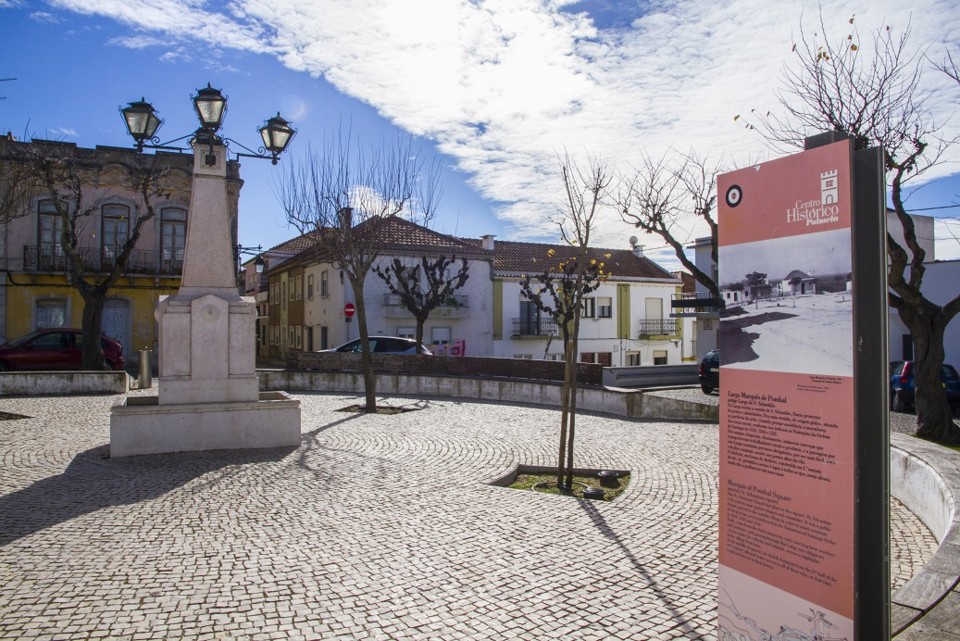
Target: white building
(309, 295)
(624, 322)
(939, 286)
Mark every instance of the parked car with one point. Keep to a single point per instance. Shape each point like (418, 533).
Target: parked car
(709, 373)
(383, 345)
(902, 385)
(55, 348)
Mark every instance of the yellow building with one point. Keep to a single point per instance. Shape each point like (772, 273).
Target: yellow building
(36, 288)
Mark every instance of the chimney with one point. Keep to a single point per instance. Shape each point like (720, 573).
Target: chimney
(488, 241)
(345, 216)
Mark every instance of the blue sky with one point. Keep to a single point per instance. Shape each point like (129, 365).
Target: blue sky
(496, 88)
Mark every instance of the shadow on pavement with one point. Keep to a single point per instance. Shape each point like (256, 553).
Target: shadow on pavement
(94, 481)
(601, 523)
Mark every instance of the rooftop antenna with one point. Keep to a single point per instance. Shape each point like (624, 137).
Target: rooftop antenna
(5, 80)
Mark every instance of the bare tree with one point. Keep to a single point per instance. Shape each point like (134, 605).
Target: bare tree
(873, 95)
(663, 195)
(75, 187)
(559, 291)
(345, 195)
(424, 286)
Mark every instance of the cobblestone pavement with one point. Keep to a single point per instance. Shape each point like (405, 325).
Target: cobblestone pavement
(377, 527)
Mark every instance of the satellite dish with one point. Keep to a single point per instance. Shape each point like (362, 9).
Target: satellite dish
(633, 241)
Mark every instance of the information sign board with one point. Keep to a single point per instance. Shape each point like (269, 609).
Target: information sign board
(787, 446)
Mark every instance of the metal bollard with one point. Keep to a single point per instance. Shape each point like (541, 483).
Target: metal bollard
(145, 380)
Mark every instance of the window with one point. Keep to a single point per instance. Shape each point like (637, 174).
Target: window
(604, 307)
(173, 235)
(603, 358)
(293, 337)
(440, 335)
(529, 321)
(50, 313)
(310, 287)
(659, 357)
(299, 337)
(298, 287)
(283, 294)
(324, 284)
(554, 357)
(588, 308)
(407, 332)
(115, 229)
(633, 359)
(50, 227)
(293, 289)
(526, 357)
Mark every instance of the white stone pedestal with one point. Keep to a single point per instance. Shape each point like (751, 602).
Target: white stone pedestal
(209, 396)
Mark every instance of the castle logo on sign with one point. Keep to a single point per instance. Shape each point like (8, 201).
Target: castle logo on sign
(822, 211)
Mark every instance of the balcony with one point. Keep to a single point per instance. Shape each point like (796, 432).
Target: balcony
(533, 327)
(695, 305)
(51, 259)
(657, 327)
(456, 306)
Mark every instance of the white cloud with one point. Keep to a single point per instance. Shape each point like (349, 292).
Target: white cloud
(503, 85)
(58, 133)
(138, 42)
(38, 16)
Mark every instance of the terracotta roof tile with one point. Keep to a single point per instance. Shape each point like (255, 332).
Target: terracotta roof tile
(524, 258)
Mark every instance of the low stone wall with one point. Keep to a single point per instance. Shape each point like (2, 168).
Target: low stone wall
(618, 402)
(651, 375)
(62, 383)
(926, 478)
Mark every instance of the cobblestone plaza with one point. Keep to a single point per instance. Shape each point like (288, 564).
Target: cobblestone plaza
(377, 527)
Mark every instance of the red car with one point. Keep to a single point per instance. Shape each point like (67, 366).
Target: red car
(55, 348)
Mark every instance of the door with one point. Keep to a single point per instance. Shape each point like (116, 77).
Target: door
(653, 308)
(116, 322)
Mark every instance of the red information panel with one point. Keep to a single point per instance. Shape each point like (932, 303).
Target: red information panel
(786, 409)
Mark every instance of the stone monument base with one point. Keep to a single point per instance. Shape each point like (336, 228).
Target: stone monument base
(141, 425)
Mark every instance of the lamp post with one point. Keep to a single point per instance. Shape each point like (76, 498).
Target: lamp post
(210, 105)
(207, 330)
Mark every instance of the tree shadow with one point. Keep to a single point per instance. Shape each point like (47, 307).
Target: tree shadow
(601, 524)
(93, 481)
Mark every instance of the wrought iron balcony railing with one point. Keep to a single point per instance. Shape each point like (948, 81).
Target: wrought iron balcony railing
(51, 258)
(658, 327)
(455, 301)
(694, 304)
(534, 327)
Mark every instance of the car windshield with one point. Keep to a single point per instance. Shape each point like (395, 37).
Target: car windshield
(949, 372)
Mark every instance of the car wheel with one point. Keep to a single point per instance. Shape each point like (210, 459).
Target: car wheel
(897, 402)
(706, 388)
(108, 366)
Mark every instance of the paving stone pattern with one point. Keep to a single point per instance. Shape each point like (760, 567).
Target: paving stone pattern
(377, 527)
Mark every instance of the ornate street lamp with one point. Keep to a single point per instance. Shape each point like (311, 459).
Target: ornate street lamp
(276, 134)
(211, 106)
(141, 121)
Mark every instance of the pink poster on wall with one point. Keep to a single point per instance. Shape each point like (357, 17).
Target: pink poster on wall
(787, 399)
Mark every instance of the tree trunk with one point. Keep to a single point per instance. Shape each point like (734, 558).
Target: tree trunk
(366, 359)
(572, 393)
(94, 299)
(419, 334)
(934, 415)
(564, 409)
